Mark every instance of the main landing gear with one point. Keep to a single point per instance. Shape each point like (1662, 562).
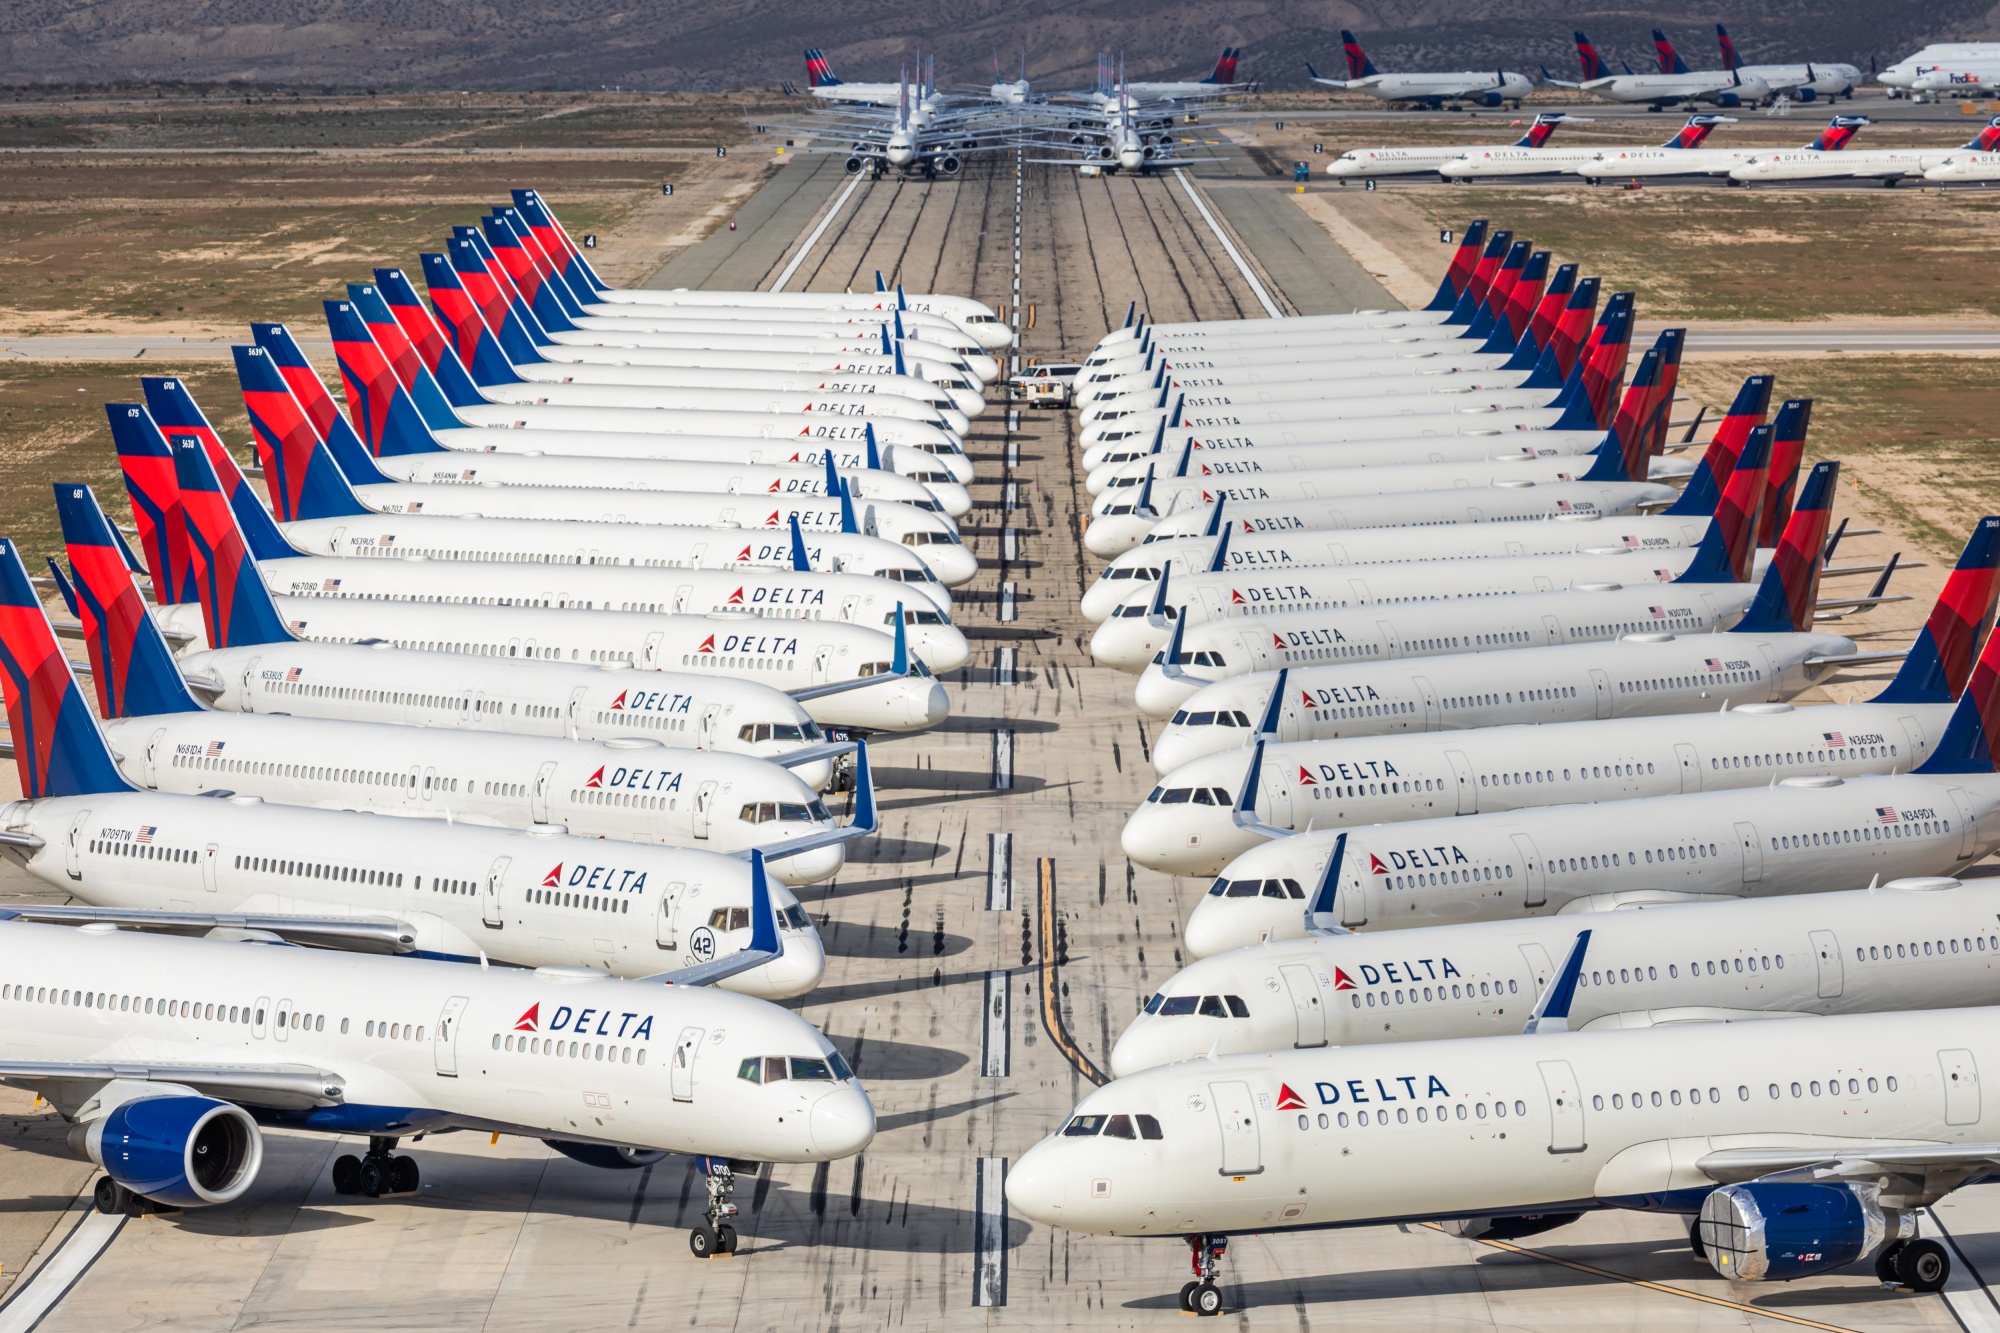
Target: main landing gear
(378, 1173)
(111, 1198)
(716, 1236)
(1201, 1296)
(1920, 1265)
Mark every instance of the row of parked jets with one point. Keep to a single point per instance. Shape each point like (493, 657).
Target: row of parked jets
(1532, 891)
(540, 655)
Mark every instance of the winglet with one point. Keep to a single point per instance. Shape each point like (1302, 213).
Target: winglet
(868, 429)
(1221, 555)
(1551, 1012)
(899, 661)
(1215, 519)
(1244, 813)
(1320, 918)
(1170, 664)
(1267, 726)
(800, 564)
(1156, 614)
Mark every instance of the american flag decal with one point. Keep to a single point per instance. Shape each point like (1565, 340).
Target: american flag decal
(1715, 664)
(145, 833)
(1838, 740)
(214, 749)
(388, 539)
(1886, 814)
(330, 585)
(294, 673)
(1658, 612)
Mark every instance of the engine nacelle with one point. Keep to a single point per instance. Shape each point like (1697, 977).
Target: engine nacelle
(1777, 1231)
(854, 165)
(948, 164)
(606, 1157)
(1806, 94)
(1491, 97)
(185, 1151)
(1728, 100)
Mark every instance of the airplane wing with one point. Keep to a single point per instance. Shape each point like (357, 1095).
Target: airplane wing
(352, 934)
(865, 824)
(1857, 659)
(766, 944)
(1555, 82)
(1913, 1174)
(812, 754)
(292, 1087)
(1314, 75)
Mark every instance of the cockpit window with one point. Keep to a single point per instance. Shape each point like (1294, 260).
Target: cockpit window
(841, 1070)
(729, 918)
(916, 618)
(767, 812)
(1254, 888)
(1219, 718)
(1207, 1006)
(1113, 1127)
(1119, 1127)
(795, 917)
(752, 732)
(814, 1070)
(1191, 795)
(1083, 1126)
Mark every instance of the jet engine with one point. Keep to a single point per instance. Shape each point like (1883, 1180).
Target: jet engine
(854, 165)
(1730, 100)
(185, 1151)
(948, 164)
(605, 1156)
(1775, 1231)
(1491, 97)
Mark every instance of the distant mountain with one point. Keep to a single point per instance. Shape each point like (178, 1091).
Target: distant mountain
(684, 45)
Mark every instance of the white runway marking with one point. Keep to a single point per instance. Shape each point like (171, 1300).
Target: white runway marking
(1003, 759)
(1000, 869)
(996, 1046)
(1228, 246)
(839, 203)
(989, 1286)
(47, 1285)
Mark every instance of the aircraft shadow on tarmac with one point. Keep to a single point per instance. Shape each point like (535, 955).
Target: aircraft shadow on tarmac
(919, 940)
(874, 990)
(1020, 726)
(881, 851)
(966, 781)
(887, 1061)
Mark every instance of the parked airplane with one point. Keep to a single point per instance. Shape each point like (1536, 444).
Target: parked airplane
(1635, 163)
(1513, 1137)
(1238, 645)
(1423, 159)
(1664, 965)
(1801, 83)
(1221, 82)
(173, 1057)
(1483, 87)
(349, 880)
(820, 663)
(1516, 160)
(1674, 84)
(821, 84)
(1887, 165)
(1904, 74)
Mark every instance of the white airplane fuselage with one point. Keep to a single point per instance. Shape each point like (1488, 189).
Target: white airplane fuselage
(1715, 86)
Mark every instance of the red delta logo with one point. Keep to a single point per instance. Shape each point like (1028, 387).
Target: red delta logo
(772, 521)
(795, 458)
(553, 880)
(1341, 981)
(1306, 779)
(1375, 866)
(734, 598)
(743, 555)
(773, 489)
(531, 1021)
(1289, 1100)
(597, 778)
(1235, 597)
(707, 645)
(1277, 643)
(618, 703)
(1305, 699)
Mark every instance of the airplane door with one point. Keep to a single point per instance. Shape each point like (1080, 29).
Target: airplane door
(73, 846)
(1531, 863)
(1468, 789)
(263, 1008)
(821, 656)
(1390, 647)
(1601, 685)
(1211, 602)
(250, 685)
(1968, 831)
(685, 1051)
(1753, 853)
(1552, 629)
(541, 805)
(444, 1037)
(153, 757)
(1961, 1086)
(573, 715)
(1913, 733)
(709, 715)
(430, 782)
(1565, 1106)
(681, 596)
(665, 931)
(649, 656)
(1352, 901)
(1538, 964)
(1515, 548)
(281, 1020)
(1359, 587)
(704, 808)
(1432, 720)
(1306, 1006)
(1236, 1116)
(1690, 767)
(489, 893)
(210, 856)
(1826, 952)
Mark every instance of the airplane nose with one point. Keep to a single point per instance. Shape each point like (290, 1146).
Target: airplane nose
(931, 707)
(1035, 1185)
(1156, 696)
(1115, 534)
(955, 419)
(953, 564)
(1142, 1046)
(1179, 745)
(791, 974)
(815, 774)
(1125, 642)
(810, 867)
(842, 1123)
(943, 647)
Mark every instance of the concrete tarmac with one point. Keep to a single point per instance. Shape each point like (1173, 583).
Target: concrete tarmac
(984, 951)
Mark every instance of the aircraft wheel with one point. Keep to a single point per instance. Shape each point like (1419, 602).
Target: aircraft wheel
(376, 1176)
(703, 1242)
(405, 1174)
(1207, 1299)
(347, 1174)
(725, 1236)
(1885, 1263)
(1923, 1265)
(1187, 1296)
(1694, 1240)
(109, 1197)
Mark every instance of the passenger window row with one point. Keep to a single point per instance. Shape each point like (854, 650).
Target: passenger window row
(1435, 878)
(1364, 710)
(651, 721)
(1688, 682)
(1866, 833)
(1978, 942)
(161, 1007)
(602, 1052)
(1409, 786)
(272, 865)
(1842, 754)
(627, 799)
(1540, 694)
(1424, 1115)
(143, 851)
(590, 902)
(1424, 995)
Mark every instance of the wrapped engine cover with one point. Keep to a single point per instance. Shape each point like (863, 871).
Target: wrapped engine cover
(1774, 1232)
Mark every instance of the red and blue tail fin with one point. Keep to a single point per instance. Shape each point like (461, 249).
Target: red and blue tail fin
(1697, 129)
(1225, 67)
(1641, 421)
(1784, 601)
(459, 319)
(1359, 66)
(58, 749)
(299, 470)
(1587, 57)
(1670, 59)
(1988, 138)
(488, 300)
(1459, 271)
(1704, 490)
(1600, 368)
(516, 302)
(521, 270)
(1971, 740)
(130, 663)
(1788, 450)
(545, 264)
(1615, 453)
(1731, 61)
(819, 73)
(1727, 552)
(428, 338)
(1510, 317)
(148, 465)
(1554, 295)
(555, 239)
(318, 405)
(236, 607)
(1570, 333)
(1474, 292)
(175, 411)
(1836, 134)
(401, 354)
(1940, 661)
(382, 412)
(172, 405)
(1540, 128)
(1499, 291)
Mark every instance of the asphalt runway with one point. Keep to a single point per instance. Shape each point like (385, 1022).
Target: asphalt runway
(983, 953)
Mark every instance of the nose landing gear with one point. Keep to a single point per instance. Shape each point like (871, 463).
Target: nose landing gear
(715, 1236)
(1202, 1296)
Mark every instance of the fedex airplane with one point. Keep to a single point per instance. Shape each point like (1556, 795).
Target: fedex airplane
(1424, 775)
(1887, 165)
(164, 860)
(632, 789)
(1674, 83)
(847, 675)
(187, 1057)
(1534, 160)
(1588, 613)
(1635, 163)
(1484, 87)
(1902, 77)
(1803, 834)
(1802, 83)
(1642, 969)
(308, 485)
(1787, 1171)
